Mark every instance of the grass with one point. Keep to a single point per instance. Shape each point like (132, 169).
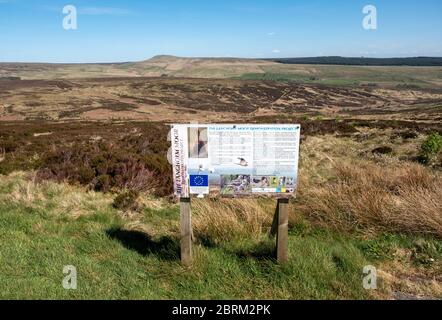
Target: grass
(115, 261)
(120, 256)
(354, 208)
(298, 78)
(399, 77)
(370, 197)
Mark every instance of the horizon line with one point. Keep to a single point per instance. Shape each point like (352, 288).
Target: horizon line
(221, 57)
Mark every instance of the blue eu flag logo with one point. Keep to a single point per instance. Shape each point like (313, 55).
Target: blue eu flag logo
(199, 180)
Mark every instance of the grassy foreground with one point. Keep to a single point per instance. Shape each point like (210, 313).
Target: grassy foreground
(45, 226)
(355, 207)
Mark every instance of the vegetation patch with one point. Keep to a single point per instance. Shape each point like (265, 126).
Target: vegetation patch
(370, 198)
(430, 148)
(127, 201)
(105, 158)
(382, 150)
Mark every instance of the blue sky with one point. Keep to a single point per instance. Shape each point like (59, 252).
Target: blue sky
(111, 31)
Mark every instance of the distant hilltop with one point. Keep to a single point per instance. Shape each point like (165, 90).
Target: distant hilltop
(304, 70)
(170, 58)
(361, 61)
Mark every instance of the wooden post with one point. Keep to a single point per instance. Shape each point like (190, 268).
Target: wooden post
(186, 232)
(274, 228)
(282, 236)
(280, 227)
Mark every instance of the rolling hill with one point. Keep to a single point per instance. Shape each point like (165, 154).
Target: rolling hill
(309, 70)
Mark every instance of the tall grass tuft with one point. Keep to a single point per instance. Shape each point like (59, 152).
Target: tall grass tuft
(373, 198)
(216, 220)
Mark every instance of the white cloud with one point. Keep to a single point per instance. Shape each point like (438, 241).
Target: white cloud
(96, 11)
(93, 11)
(276, 51)
(270, 34)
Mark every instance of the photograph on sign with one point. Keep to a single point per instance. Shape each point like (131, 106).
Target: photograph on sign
(235, 159)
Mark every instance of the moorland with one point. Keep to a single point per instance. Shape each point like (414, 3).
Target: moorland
(85, 181)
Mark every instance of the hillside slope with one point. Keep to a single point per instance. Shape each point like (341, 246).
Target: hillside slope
(155, 67)
(246, 69)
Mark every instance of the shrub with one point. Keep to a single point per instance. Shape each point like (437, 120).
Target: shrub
(372, 198)
(127, 201)
(9, 145)
(223, 219)
(105, 167)
(431, 147)
(408, 134)
(103, 183)
(382, 150)
(85, 174)
(133, 160)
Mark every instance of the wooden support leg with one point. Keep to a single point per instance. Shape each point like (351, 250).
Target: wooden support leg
(274, 228)
(186, 232)
(282, 231)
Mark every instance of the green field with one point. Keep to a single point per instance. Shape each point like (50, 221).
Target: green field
(47, 226)
(399, 77)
